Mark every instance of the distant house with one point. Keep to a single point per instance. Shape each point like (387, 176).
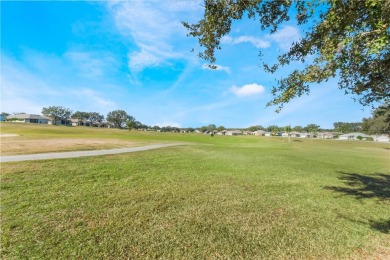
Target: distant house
(284, 134)
(267, 134)
(28, 118)
(353, 136)
(304, 135)
(223, 132)
(2, 118)
(234, 132)
(295, 134)
(60, 121)
(382, 138)
(259, 133)
(326, 135)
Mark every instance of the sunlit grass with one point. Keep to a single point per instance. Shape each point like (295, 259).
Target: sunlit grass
(221, 197)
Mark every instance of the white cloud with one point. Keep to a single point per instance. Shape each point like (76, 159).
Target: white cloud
(217, 67)
(247, 90)
(257, 42)
(95, 98)
(283, 37)
(154, 27)
(90, 64)
(25, 90)
(286, 36)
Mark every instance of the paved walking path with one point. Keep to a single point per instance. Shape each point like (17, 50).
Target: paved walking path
(45, 156)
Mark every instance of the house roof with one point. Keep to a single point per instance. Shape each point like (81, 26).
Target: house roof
(28, 116)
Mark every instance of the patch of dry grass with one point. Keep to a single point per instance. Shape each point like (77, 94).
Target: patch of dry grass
(26, 145)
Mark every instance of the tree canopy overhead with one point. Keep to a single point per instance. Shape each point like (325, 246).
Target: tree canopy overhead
(351, 39)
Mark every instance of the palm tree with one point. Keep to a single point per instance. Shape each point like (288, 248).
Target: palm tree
(288, 130)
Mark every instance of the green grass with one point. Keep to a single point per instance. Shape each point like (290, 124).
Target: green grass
(221, 197)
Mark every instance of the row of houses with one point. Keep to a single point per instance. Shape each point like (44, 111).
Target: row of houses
(38, 119)
(320, 135)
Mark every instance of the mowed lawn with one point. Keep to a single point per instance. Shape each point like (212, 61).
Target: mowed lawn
(241, 197)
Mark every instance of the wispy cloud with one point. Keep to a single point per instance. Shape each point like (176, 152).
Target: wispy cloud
(257, 42)
(283, 37)
(90, 64)
(286, 36)
(217, 67)
(93, 97)
(154, 27)
(24, 89)
(247, 90)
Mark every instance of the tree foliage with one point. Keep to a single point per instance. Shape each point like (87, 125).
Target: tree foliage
(346, 127)
(221, 128)
(80, 116)
(56, 113)
(131, 123)
(95, 117)
(351, 38)
(379, 123)
(5, 114)
(312, 129)
(92, 117)
(118, 118)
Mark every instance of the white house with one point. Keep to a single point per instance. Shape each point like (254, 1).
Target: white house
(234, 132)
(295, 134)
(353, 136)
(382, 138)
(304, 135)
(259, 133)
(29, 118)
(326, 135)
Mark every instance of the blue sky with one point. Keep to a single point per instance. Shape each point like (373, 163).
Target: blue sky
(135, 56)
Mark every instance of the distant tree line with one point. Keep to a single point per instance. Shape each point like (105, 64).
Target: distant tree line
(378, 123)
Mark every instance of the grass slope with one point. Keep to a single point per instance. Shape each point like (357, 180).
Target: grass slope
(222, 197)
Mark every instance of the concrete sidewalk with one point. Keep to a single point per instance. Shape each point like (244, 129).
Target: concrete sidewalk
(46, 156)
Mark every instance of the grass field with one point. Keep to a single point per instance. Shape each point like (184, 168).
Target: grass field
(241, 197)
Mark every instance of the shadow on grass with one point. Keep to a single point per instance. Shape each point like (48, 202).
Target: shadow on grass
(372, 186)
(382, 226)
(364, 186)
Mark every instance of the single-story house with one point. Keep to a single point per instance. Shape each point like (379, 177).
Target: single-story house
(267, 134)
(234, 132)
(223, 132)
(60, 121)
(77, 122)
(2, 118)
(382, 138)
(284, 134)
(28, 118)
(304, 135)
(353, 136)
(259, 133)
(295, 134)
(326, 135)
